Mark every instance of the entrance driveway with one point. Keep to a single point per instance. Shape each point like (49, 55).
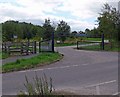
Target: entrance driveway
(78, 69)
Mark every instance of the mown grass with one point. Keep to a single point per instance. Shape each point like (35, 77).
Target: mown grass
(40, 60)
(107, 47)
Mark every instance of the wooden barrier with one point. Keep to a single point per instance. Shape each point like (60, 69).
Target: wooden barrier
(19, 47)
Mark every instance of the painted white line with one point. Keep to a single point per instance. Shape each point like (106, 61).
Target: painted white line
(61, 67)
(84, 64)
(101, 83)
(117, 93)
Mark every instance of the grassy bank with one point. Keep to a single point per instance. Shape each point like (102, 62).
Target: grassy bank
(107, 47)
(3, 55)
(40, 60)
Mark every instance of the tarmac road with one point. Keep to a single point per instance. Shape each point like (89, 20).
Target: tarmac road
(76, 70)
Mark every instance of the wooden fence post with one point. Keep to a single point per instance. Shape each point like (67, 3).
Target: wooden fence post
(8, 50)
(102, 41)
(52, 41)
(21, 48)
(27, 47)
(5, 47)
(35, 46)
(77, 44)
(39, 46)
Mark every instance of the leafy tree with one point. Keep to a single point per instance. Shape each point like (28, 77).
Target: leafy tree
(63, 31)
(87, 30)
(8, 31)
(73, 34)
(48, 29)
(22, 30)
(108, 22)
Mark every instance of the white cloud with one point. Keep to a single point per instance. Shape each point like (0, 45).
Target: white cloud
(80, 11)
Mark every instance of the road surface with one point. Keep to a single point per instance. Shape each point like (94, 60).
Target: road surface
(78, 70)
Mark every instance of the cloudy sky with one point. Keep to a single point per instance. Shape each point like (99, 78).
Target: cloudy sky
(79, 14)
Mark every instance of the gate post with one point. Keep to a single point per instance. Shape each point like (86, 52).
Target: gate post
(39, 46)
(52, 41)
(102, 41)
(21, 48)
(35, 47)
(77, 44)
(27, 48)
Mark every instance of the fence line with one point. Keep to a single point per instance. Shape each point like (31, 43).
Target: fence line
(21, 47)
(27, 47)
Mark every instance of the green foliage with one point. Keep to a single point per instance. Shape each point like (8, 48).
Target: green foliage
(21, 29)
(108, 22)
(29, 31)
(41, 86)
(48, 29)
(17, 61)
(107, 47)
(62, 31)
(93, 33)
(42, 59)
(3, 55)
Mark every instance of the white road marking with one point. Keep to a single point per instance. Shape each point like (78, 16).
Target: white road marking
(84, 64)
(117, 93)
(101, 83)
(61, 67)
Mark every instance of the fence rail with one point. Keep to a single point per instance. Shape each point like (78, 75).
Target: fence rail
(45, 46)
(20, 47)
(89, 43)
(27, 47)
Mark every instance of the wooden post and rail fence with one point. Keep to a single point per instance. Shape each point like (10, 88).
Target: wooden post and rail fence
(19, 47)
(28, 47)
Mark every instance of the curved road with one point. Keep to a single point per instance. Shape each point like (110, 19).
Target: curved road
(78, 69)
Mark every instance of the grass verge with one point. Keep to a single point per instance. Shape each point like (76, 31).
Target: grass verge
(3, 55)
(40, 60)
(98, 48)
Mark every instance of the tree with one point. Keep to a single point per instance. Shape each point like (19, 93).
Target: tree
(108, 22)
(8, 31)
(73, 34)
(87, 30)
(22, 30)
(63, 31)
(48, 29)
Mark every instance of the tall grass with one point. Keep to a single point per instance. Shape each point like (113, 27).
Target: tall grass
(40, 86)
